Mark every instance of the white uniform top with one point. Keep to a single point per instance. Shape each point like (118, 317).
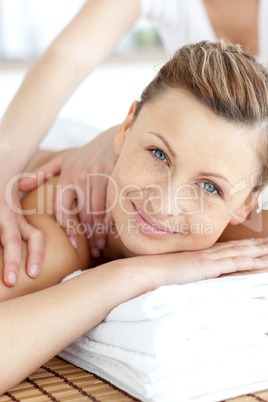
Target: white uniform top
(180, 22)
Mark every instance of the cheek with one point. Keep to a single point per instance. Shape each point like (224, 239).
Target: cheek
(208, 225)
(131, 174)
(124, 180)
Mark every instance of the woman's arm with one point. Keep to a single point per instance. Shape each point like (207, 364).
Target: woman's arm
(35, 327)
(85, 42)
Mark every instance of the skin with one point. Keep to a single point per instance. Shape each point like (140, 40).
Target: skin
(208, 142)
(136, 144)
(72, 56)
(84, 43)
(226, 25)
(60, 258)
(43, 318)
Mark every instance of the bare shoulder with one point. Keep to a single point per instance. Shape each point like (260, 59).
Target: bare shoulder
(255, 226)
(60, 258)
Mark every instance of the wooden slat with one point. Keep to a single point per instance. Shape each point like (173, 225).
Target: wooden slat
(261, 396)
(61, 381)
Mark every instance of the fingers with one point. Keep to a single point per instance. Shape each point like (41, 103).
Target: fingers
(234, 243)
(98, 187)
(247, 248)
(72, 198)
(108, 220)
(89, 188)
(39, 176)
(11, 241)
(231, 257)
(64, 207)
(231, 265)
(36, 246)
(11, 238)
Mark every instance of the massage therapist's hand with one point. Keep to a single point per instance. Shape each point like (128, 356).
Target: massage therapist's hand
(84, 174)
(13, 229)
(220, 259)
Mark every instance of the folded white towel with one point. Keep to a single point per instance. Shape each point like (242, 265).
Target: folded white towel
(206, 340)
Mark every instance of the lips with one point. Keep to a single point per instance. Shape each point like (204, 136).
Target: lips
(150, 227)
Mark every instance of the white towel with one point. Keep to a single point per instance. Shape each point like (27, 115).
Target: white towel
(203, 341)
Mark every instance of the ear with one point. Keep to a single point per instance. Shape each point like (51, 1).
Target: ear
(120, 136)
(245, 209)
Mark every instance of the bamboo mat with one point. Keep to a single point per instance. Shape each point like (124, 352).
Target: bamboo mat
(58, 380)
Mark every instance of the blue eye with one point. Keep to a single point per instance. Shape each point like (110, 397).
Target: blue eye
(159, 154)
(210, 188)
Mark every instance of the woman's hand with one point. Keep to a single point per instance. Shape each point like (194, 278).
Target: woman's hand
(84, 174)
(220, 259)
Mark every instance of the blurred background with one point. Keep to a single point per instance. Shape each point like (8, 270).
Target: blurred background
(27, 27)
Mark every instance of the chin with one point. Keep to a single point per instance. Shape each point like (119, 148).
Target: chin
(136, 247)
(203, 243)
(142, 245)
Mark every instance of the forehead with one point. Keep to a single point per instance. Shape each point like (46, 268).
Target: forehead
(203, 136)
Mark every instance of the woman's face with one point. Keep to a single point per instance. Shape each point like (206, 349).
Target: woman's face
(182, 175)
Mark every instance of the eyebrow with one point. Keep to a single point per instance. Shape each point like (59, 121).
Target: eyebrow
(173, 154)
(215, 175)
(163, 139)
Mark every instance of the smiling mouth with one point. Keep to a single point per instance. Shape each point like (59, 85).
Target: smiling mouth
(149, 227)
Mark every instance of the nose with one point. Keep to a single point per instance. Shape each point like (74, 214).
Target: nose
(170, 201)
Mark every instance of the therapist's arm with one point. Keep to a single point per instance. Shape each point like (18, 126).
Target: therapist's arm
(86, 41)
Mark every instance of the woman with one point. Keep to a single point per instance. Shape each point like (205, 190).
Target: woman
(85, 43)
(199, 130)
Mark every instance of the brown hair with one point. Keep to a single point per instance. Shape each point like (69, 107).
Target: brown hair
(231, 83)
